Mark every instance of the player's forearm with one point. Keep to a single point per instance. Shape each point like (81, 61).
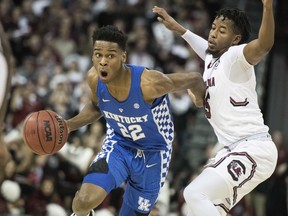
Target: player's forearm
(184, 80)
(267, 28)
(179, 29)
(197, 43)
(192, 81)
(88, 115)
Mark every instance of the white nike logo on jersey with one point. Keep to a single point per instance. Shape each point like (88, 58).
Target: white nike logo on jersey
(104, 100)
(150, 165)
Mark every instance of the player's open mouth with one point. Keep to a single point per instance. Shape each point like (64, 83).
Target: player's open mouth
(104, 73)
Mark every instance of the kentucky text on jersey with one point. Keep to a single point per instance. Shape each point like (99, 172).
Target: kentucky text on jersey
(125, 119)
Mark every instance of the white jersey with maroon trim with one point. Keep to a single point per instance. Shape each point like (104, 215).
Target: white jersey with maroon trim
(231, 107)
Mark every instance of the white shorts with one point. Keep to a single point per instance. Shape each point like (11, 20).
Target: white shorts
(244, 165)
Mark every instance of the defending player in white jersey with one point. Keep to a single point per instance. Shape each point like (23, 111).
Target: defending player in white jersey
(4, 88)
(249, 156)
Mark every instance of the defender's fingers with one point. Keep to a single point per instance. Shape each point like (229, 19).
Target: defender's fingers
(160, 11)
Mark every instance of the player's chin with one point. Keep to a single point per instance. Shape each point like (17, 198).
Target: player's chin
(104, 80)
(211, 50)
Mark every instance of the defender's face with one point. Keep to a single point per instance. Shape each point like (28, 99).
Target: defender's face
(221, 36)
(108, 59)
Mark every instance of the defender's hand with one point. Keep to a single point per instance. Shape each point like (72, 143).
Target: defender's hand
(168, 21)
(198, 102)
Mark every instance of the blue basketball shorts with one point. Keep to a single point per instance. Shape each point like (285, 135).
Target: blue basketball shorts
(143, 172)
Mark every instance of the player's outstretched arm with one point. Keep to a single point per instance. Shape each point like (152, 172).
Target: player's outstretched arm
(90, 113)
(258, 48)
(193, 82)
(156, 84)
(197, 43)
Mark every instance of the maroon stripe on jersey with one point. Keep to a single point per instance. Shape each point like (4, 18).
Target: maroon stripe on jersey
(239, 103)
(226, 209)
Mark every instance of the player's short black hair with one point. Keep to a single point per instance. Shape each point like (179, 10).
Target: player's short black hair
(240, 19)
(112, 34)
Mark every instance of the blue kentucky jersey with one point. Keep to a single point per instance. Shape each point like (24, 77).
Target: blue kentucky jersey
(133, 122)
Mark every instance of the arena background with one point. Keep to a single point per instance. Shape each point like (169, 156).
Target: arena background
(51, 43)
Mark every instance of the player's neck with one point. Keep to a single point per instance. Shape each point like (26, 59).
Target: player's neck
(123, 78)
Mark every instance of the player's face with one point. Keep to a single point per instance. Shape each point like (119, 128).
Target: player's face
(108, 59)
(221, 37)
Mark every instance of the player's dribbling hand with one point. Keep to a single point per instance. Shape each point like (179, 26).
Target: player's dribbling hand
(168, 21)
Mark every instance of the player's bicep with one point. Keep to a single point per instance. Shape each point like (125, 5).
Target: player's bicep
(253, 52)
(155, 84)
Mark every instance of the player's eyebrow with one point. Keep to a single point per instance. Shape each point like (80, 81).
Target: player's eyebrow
(110, 50)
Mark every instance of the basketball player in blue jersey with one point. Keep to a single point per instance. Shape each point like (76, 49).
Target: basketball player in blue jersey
(248, 156)
(5, 55)
(138, 145)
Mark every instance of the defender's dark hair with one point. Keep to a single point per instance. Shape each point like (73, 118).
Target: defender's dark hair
(240, 19)
(112, 34)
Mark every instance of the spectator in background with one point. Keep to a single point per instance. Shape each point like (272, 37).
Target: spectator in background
(94, 136)
(24, 100)
(11, 193)
(63, 42)
(42, 196)
(276, 202)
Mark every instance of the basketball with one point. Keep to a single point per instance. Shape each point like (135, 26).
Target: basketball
(45, 132)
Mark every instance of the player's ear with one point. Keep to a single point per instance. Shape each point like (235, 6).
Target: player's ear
(124, 57)
(236, 40)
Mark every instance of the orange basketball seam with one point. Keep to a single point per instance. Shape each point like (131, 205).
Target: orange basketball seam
(54, 131)
(38, 133)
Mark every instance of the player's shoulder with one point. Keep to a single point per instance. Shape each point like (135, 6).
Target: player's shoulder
(236, 49)
(153, 77)
(234, 52)
(92, 77)
(92, 72)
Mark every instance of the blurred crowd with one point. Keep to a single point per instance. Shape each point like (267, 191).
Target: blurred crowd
(52, 47)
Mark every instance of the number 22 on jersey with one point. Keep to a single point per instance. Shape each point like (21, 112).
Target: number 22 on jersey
(133, 131)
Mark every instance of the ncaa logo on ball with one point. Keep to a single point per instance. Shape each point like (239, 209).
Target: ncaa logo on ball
(47, 130)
